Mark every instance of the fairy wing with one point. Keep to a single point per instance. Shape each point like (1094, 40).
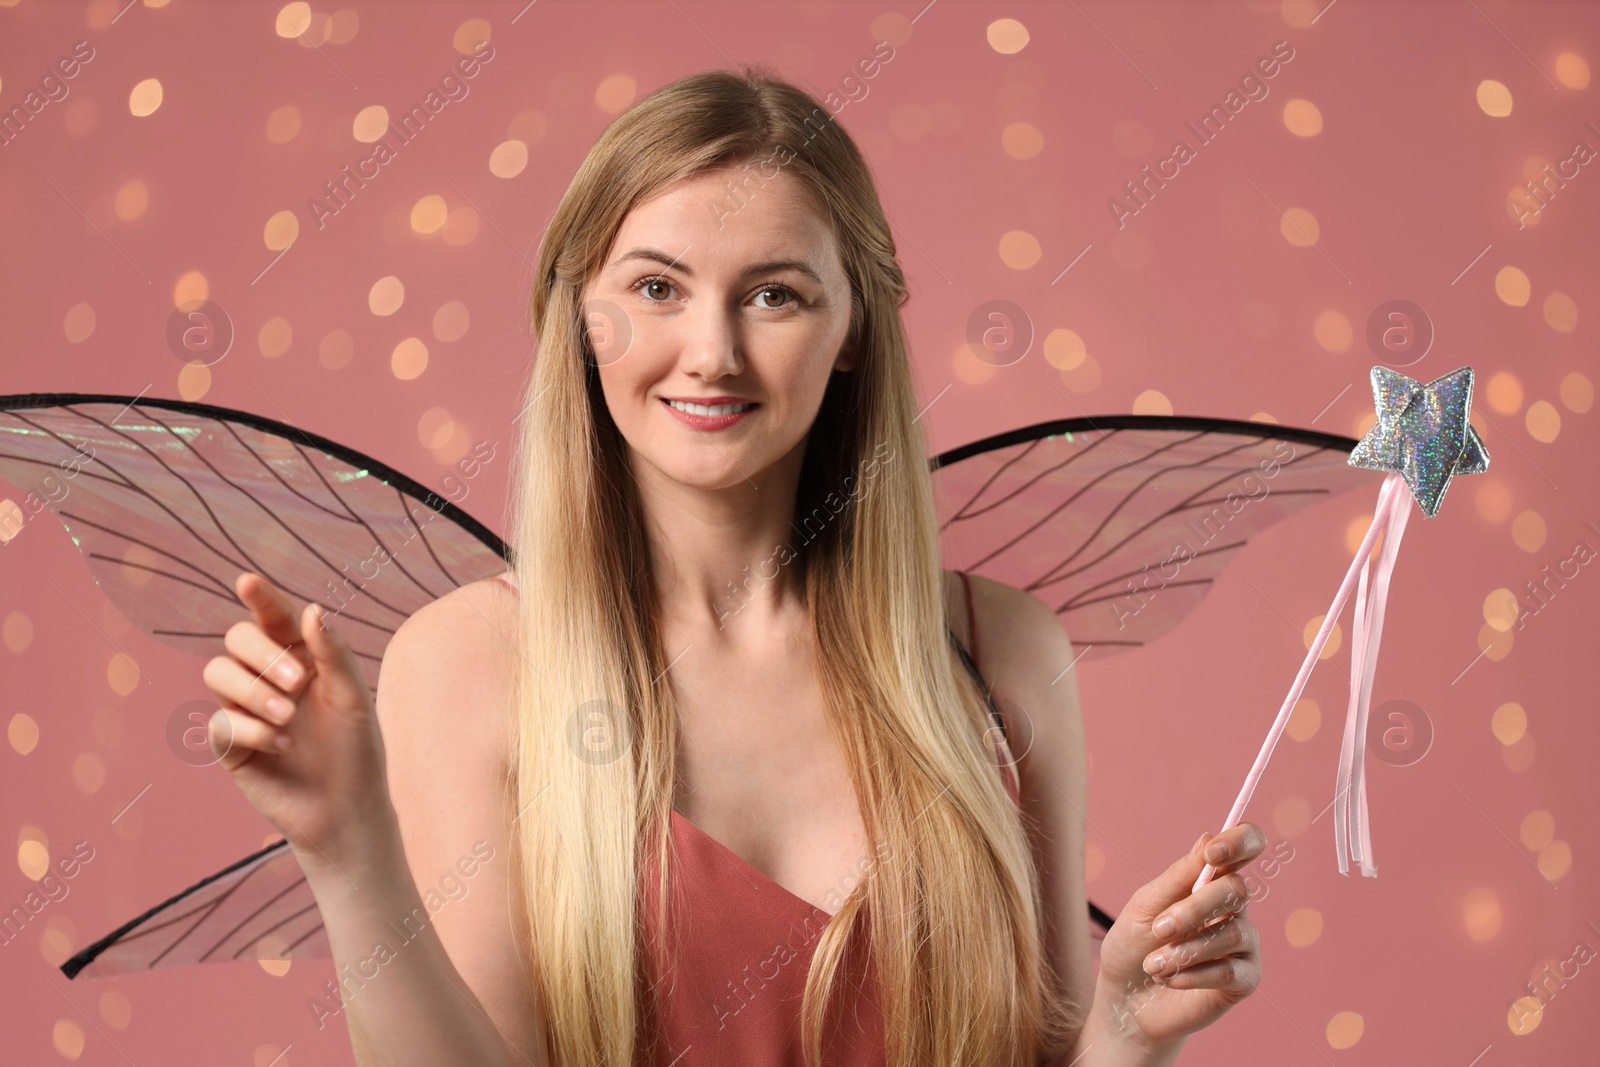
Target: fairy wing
(1123, 522)
(169, 501)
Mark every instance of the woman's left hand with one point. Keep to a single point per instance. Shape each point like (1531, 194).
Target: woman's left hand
(1209, 959)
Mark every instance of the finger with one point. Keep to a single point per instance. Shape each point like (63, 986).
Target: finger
(1216, 901)
(1231, 974)
(272, 610)
(1166, 889)
(1230, 937)
(235, 736)
(266, 657)
(232, 682)
(330, 655)
(1235, 846)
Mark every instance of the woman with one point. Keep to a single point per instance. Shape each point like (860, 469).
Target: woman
(725, 684)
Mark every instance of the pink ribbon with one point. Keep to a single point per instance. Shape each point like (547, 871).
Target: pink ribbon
(1350, 830)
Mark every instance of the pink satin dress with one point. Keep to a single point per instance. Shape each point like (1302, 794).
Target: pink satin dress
(731, 996)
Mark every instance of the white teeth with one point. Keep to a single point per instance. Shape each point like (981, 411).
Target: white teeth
(702, 409)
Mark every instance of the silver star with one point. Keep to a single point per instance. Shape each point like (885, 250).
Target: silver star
(1422, 433)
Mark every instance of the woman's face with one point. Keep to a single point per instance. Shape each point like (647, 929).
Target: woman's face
(713, 301)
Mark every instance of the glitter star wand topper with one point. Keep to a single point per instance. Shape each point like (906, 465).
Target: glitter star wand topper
(1422, 438)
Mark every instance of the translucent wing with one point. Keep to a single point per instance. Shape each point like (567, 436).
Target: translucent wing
(1123, 522)
(169, 501)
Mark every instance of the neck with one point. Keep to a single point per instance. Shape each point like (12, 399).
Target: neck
(723, 556)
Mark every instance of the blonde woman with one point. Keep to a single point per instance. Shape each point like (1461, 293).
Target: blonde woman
(740, 797)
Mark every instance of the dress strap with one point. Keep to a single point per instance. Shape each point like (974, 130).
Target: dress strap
(968, 661)
(972, 615)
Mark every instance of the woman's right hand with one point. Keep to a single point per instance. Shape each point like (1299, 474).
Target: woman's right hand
(296, 679)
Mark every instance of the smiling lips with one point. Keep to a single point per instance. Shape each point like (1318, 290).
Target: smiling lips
(713, 413)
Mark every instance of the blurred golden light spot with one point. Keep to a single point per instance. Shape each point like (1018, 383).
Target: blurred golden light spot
(1555, 859)
(1130, 250)
(1007, 36)
(615, 92)
(17, 631)
(1494, 98)
(81, 117)
(428, 214)
(1561, 312)
(89, 772)
(1544, 421)
(1504, 392)
(131, 200)
(107, 727)
(318, 29)
(470, 34)
(1019, 249)
(1291, 816)
(67, 1038)
(1132, 139)
(1299, 227)
(370, 123)
(1481, 914)
(1500, 608)
(1021, 140)
(194, 381)
(122, 674)
(1572, 70)
(1495, 643)
(1094, 861)
(1305, 720)
(1302, 118)
(969, 368)
(450, 322)
(346, 22)
(23, 733)
(386, 295)
(1365, 423)
(1063, 349)
(145, 98)
(1345, 1029)
(115, 1010)
(293, 19)
(11, 519)
(283, 124)
(1577, 392)
(530, 126)
(281, 230)
(190, 287)
(1303, 926)
(33, 857)
(1299, 13)
(1525, 1015)
(1308, 634)
(435, 427)
(1356, 532)
(275, 337)
(1083, 378)
(1263, 416)
(79, 323)
(1520, 756)
(271, 839)
(1333, 331)
(336, 349)
(1512, 286)
(1493, 500)
(409, 359)
(269, 953)
(1528, 531)
(891, 26)
(461, 228)
(1152, 402)
(509, 159)
(1509, 723)
(1538, 828)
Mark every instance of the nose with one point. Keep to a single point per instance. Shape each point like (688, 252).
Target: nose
(713, 345)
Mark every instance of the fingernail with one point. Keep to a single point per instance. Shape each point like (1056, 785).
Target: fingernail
(1217, 851)
(288, 672)
(1155, 965)
(280, 708)
(1164, 927)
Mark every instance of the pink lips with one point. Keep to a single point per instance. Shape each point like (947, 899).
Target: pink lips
(709, 422)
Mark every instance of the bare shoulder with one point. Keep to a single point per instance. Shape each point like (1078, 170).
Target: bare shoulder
(444, 709)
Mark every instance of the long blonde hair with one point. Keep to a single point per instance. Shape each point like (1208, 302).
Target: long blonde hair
(954, 923)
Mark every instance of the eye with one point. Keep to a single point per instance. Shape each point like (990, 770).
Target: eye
(651, 282)
(778, 287)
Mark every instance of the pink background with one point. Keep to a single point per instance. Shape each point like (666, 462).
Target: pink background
(1200, 298)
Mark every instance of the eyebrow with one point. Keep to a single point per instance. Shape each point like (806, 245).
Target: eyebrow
(767, 267)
